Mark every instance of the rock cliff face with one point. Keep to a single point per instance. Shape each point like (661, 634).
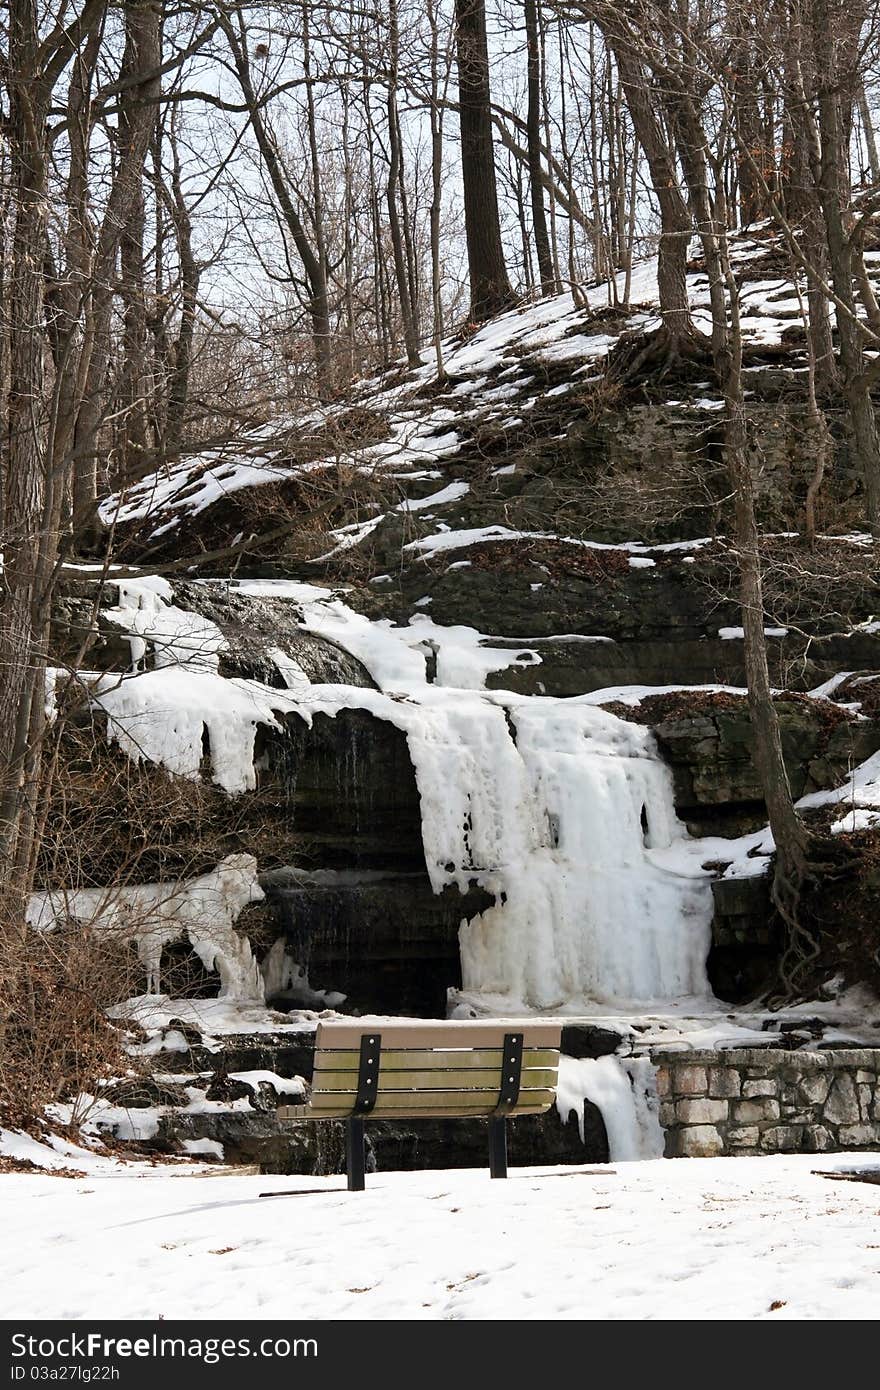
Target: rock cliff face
(335, 819)
(494, 555)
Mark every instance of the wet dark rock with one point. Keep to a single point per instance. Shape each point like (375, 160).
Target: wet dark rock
(589, 1040)
(711, 753)
(253, 625)
(310, 1148)
(286, 1054)
(142, 1092)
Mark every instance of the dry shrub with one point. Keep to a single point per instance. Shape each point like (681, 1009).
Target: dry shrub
(58, 1043)
(823, 589)
(114, 821)
(694, 704)
(561, 559)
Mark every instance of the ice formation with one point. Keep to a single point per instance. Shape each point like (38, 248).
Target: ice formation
(625, 1091)
(203, 909)
(562, 811)
(582, 911)
(284, 977)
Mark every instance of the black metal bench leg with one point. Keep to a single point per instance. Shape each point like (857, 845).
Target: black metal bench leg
(355, 1154)
(498, 1148)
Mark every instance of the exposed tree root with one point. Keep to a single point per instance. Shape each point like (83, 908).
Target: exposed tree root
(826, 859)
(658, 353)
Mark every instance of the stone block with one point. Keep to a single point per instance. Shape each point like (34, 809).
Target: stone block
(817, 1139)
(858, 1135)
(744, 1138)
(664, 1084)
(690, 1081)
(814, 1089)
(750, 1112)
(792, 1116)
(759, 1088)
(842, 1105)
(864, 1093)
(667, 1113)
(782, 1139)
(700, 1111)
(724, 1081)
(867, 1078)
(700, 1141)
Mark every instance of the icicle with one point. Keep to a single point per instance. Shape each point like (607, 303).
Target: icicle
(625, 1092)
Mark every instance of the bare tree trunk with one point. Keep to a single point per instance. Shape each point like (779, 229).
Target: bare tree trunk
(600, 260)
(490, 288)
(791, 837)
(24, 490)
(533, 130)
(833, 184)
(748, 125)
(326, 357)
(348, 234)
(870, 137)
(31, 537)
(134, 393)
(436, 118)
(410, 335)
(802, 202)
(139, 72)
(178, 388)
(676, 222)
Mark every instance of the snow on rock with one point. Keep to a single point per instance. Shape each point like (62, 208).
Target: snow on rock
(448, 538)
(204, 1148)
(862, 788)
(202, 909)
(282, 1085)
(497, 373)
(737, 634)
(214, 1018)
(162, 716)
(146, 611)
(625, 1092)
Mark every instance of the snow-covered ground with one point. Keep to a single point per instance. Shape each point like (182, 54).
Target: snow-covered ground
(688, 1239)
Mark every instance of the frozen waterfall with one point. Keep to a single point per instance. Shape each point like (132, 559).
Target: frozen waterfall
(561, 810)
(558, 808)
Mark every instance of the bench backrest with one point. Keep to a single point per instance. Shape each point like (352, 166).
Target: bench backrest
(435, 1069)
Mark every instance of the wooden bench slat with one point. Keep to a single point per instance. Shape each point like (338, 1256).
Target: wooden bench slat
(415, 1101)
(444, 1113)
(284, 1112)
(437, 1079)
(482, 1032)
(347, 1059)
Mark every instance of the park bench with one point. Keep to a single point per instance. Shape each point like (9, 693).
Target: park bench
(419, 1070)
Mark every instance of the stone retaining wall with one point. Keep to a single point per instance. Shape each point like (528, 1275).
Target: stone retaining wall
(763, 1100)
